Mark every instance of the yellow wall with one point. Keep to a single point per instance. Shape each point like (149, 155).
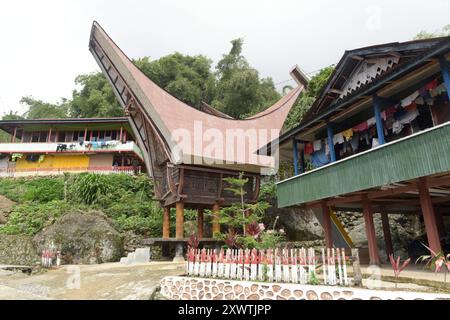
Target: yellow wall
(55, 161)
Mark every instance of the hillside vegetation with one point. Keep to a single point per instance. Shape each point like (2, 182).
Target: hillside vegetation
(127, 202)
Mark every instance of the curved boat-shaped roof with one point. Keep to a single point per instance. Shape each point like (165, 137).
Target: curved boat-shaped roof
(187, 133)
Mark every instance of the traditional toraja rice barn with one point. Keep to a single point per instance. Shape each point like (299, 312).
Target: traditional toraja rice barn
(188, 151)
(377, 139)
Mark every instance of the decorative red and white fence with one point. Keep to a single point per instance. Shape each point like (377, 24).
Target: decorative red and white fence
(13, 172)
(279, 265)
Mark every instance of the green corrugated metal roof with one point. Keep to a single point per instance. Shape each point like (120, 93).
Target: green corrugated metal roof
(420, 155)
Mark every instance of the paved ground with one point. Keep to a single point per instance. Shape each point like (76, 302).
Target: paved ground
(118, 281)
(105, 281)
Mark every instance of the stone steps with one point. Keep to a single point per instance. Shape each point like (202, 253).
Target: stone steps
(139, 256)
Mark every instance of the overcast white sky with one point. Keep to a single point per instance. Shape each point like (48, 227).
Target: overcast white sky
(44, 44)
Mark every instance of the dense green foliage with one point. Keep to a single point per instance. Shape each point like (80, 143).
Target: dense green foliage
(126, 200)
(307, 98)
(240, 91)
(95, 98)
(243, 220)
(234, 88)
(445, 31)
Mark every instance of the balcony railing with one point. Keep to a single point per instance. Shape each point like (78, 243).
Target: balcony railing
(418, 155)
(70, 147)
(14, 173)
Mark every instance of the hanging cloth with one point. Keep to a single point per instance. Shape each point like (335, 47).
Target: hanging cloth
(309, 148)
(410, 99)
(317, 145)
(41, 158)
(371, 121)
(361, 127)
(338, 138)
(439, 89)
(319, 159)
(348, 134)
(389, 111)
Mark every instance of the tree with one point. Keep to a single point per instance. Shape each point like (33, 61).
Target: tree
(240, 91)
(189, 78)
(308, 97)
(95, 98)
(445, 31)
(38, 109)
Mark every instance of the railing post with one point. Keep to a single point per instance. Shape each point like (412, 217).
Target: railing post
(331, 142)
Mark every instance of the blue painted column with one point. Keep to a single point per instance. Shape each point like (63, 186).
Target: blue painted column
(379, 120)
(445, 73)
(330, 142)
(295, 152)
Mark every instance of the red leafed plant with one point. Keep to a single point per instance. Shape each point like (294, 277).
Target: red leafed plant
(396, 266)
(231, 239)
(193, 241)
(253, 229)
(437, 261)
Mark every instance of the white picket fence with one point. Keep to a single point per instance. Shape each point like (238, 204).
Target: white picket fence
(278, 265)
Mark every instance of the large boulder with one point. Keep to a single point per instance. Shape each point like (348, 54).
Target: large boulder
(83, 238)
(18, 250)
(299, 224)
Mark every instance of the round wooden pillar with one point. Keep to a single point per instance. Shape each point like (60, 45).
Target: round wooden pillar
(200, 223)
(215, 220)
(166, 223)
(180, 220)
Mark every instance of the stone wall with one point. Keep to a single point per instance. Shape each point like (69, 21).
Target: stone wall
(185, 288)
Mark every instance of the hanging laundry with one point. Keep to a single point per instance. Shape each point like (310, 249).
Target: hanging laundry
(383, 115)
(397, 127)
(389, 122)
(348, 134)
(375, 142)
(409, 116)
(419, 101)
(317, 145)
(399, 113)
(431, 86)
(371, 121)
(327, 149)
(439, 89)
(355, 142)
(409, 99)
(309, 148)
(338, 138)
(391, 110)
(319, 159)
(411, 107)
(16, 156)
(361, 127)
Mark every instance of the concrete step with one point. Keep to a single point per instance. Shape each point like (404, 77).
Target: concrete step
(140, 255)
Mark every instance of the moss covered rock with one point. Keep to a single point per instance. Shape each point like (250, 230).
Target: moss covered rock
(83, 238)
(18, 250)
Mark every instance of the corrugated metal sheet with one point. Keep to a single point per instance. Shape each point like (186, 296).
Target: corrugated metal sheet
(416, 156)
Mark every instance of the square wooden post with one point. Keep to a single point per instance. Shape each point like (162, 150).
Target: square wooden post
(387, 233)
(327, 225)
(215, 220)
(370, 232)
(166, 223)
(200, 223)
(180, 220)
(429, 217)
